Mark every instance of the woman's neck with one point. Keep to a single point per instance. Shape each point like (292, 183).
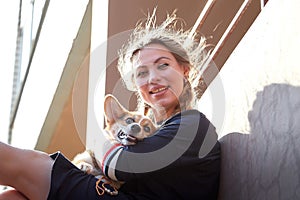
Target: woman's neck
(161, 115)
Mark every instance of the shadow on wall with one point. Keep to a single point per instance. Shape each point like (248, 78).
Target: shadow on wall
(265, 164)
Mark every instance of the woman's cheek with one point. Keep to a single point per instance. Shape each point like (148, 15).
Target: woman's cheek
(143, 90)
(139, 82)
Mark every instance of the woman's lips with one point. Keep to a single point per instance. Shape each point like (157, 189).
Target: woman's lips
(157, 90)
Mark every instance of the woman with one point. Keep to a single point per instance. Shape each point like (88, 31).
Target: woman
(181, 161)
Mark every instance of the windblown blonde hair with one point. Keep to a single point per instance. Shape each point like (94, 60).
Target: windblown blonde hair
(188, 48)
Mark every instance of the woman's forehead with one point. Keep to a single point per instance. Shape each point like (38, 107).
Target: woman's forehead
(151, 54)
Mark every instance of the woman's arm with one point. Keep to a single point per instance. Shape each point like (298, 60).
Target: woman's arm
(180, 138)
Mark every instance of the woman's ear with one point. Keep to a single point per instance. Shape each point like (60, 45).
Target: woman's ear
(186, 71)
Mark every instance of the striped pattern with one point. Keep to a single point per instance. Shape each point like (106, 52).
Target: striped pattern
(110, 160)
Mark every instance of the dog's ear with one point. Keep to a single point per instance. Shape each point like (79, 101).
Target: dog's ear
(113, 109)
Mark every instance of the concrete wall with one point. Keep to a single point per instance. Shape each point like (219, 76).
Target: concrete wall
(260, 126)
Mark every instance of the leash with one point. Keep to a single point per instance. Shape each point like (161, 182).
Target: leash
(102, 188)
(94, 161)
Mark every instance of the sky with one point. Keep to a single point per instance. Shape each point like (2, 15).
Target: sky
(9, 21)
(53, 68)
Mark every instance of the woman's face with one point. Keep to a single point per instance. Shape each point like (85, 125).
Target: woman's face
(159, 77)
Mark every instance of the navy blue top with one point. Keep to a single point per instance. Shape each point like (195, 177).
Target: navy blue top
(180, 161)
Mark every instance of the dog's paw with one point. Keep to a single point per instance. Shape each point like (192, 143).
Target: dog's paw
(85, 167)
(89, 169)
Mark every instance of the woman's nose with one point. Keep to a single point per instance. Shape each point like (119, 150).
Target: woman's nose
(154, 76)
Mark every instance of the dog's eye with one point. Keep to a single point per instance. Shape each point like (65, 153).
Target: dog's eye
(147, 129)
(129, 120)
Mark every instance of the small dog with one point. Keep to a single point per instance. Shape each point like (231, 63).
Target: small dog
(122, 126)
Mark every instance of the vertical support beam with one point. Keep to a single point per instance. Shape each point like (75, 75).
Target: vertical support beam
(207, 8)
(17, 69)
(230, 28)
(212, 70)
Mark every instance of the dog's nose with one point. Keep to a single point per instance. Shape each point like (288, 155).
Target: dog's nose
(135, 128)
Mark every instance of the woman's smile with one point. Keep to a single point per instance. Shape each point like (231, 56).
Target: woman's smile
(158, 90)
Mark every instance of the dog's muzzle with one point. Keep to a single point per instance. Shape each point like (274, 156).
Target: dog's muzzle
(123, 136)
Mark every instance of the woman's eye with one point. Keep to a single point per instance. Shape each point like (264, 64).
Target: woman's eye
(129, 120)
(162, 66)
(147, 129)
(142, 73)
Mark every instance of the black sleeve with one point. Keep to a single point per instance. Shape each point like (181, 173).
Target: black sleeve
(176, 142)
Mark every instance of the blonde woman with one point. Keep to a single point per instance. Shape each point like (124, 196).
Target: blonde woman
(162, 64)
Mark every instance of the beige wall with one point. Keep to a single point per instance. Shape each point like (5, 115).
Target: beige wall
(260, 129)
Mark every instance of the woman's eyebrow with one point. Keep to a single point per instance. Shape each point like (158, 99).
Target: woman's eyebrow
(158, 59)
(141, 67)
(155, 61)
